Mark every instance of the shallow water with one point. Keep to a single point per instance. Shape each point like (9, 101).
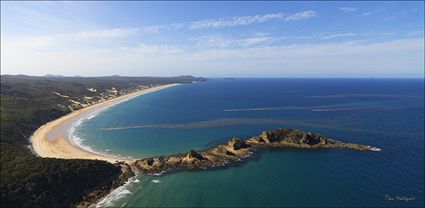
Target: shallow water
(387, 113)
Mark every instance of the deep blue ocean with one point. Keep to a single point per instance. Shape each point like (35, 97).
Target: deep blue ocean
(386, 113)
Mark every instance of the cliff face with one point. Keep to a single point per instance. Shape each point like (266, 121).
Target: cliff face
(237, 149)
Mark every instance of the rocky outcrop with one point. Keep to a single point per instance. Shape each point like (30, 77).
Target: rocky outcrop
(299, 139)
(236, 149)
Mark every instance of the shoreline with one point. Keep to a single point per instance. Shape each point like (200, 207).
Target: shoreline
(61, 146)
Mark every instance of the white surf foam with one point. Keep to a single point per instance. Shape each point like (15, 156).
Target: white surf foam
(92, 116)
(156, 181)
(79, 141)
(376, 149)
(117, 194)
(159, 174)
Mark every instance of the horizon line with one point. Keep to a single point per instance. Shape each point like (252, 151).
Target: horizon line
(234, 77)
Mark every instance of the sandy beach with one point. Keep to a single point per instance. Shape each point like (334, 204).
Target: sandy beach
(52, 139)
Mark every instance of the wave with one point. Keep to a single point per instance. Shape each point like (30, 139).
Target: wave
(78, 141)
(156, 181)
(92, 115)
(117, 193)
(159, 174)
(74, 139)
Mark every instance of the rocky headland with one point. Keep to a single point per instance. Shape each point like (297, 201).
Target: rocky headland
(92, 198)
(236, 149)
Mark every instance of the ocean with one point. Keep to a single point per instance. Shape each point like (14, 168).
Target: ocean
(385, 113)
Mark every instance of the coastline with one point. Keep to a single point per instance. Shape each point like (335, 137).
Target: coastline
(61, 146)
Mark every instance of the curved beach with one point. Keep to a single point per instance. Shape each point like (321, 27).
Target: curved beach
(52, 139)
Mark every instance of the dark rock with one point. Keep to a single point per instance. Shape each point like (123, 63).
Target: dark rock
(236, 148)
(194, 154)
(237, 144)
(149, 161)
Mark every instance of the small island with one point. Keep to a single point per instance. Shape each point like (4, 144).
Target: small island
(237, 149)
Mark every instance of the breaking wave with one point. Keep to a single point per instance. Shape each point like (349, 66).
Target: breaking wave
(156, 181)
(117, 193)
(78, 141)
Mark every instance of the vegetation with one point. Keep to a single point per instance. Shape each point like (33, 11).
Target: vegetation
(29, 102)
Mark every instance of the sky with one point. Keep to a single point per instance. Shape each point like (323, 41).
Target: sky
(213, 39)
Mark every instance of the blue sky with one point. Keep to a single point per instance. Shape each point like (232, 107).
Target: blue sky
(213, 39)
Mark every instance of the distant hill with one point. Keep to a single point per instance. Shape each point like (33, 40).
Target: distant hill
(53, 75)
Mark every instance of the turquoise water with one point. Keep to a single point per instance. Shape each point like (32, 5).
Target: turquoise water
(387, 113)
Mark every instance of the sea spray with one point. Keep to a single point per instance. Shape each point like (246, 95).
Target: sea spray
(118, 193)
(156, 181)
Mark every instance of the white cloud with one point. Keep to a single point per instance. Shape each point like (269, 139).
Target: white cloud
(219, 41)
(46, 17)
(83, 39)
(368, 13)
(234, 21)
(104, 34)
(347, 9)
(247, 20)
(155, 50)
(373, 12)
(301, 15)
(231, 21)
(325, 36)
(154, 28)
(404, 56)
